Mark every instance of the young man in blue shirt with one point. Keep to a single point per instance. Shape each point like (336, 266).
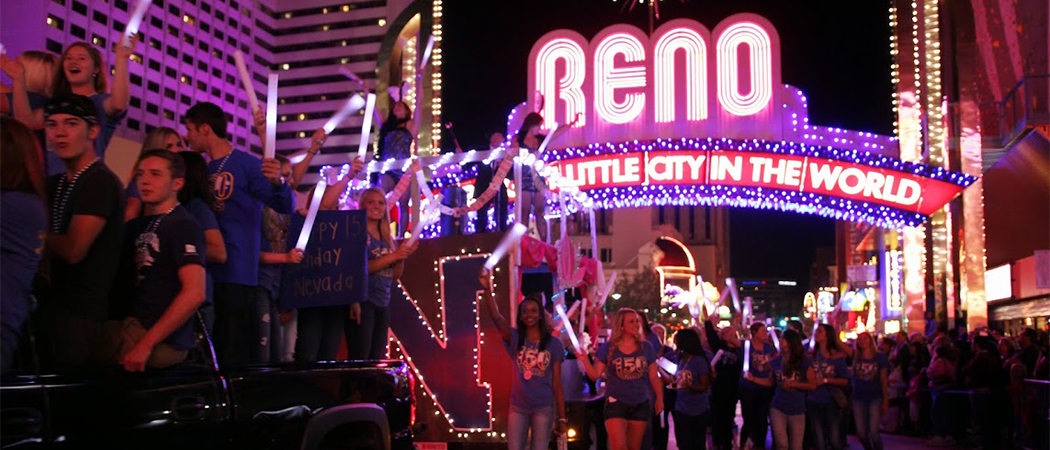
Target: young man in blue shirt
(243, 184)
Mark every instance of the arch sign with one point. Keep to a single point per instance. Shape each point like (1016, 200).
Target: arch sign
(697, 116)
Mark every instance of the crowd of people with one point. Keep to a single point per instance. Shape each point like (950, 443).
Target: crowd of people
(119, 275)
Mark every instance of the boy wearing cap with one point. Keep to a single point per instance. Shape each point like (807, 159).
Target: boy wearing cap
(242, 185)
(86, 206)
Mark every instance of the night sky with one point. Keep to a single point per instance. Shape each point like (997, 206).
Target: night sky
(836, 52)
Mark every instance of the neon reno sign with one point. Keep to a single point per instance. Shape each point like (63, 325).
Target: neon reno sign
(835, 183)
(683, 81)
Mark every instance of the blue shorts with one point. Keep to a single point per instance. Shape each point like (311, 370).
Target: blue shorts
(638, 412)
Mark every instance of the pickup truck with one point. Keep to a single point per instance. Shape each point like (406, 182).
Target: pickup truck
(199, 405)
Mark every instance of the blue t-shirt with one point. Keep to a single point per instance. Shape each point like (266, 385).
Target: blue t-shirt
(532, 389)
(627, 376)
(240, 192)
(274, 240)
(867, 386)
(379, 283)
(690, 402)
(759, 365)
(22, 225)
(788, 401)
(205, 217)
(159, 255)
(831, 368)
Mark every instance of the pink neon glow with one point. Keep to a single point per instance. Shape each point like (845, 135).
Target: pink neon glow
(608, 78)
(761, 74)
(695, 48)
(567, 88)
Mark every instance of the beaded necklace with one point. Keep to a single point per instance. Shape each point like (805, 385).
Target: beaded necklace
(62, 194)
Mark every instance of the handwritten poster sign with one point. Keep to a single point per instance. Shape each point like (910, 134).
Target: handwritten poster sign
(334, 266)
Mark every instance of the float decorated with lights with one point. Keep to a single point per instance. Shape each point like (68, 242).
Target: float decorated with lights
(686, 115)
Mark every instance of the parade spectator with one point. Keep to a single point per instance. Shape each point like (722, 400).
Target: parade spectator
(366, 331)
(942, 377)
(23, 220)
(165, 138)
(791, 376)
(1029, 353)
(725, 390)
(242, 184)
(983, 377)
(627, 361)
(536, 393)
(197, 197)
(320, 329)
(754, 397)
(870, 391)
(86, 213)
(693, 383)
(35, 69)
(825, 404)
(396, 135)
(166, 245)
(661, 424)
(81, 71)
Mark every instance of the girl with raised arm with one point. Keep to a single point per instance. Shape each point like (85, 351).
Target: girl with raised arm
(536, 393)
(627, 362)
(792, 376)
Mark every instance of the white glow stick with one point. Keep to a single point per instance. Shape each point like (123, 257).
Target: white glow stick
(3, 50)
(776, 338)
(352, 76)
(271, 117)
(546, 140)
(747, 355)
(311, 215)
(246, 80)
(583, 315)
(747, 311)
(667, 365)
(608, 287)
(366, 126)
(717, 357)
(421, 180)
(508, 240)
(354, 103)
(426, 53)
(135, 21)
(731, 285)
(568, 326)
(428, 217)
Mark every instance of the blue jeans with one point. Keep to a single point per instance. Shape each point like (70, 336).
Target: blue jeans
(367, 340)
(825, 419)
(519, 422)
(319, 332)
(867, 414)
(787, 429)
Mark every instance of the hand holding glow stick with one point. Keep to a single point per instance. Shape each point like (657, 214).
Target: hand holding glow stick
(717, 357)
(366, 126)
(747, 355)
(135, 22)
(776, 338)
(511, 238)
(354, 103)
(428, 217)
(269, 147)
(246, 80)
(351, 75)
(731, 285)
(568, 326)
(667, 365)
(546, 140)
(311, 215)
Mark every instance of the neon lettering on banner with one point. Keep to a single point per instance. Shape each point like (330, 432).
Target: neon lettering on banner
(569, 87)
(760, 64)
(609, 79)
(692, 44)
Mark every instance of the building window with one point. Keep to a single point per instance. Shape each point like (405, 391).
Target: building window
(155, 21)
(135, 102)
(205, 7)
(98, 40)
(220, 15)
(55, 22)
(77, 31)
(203, 45)
(186, 18)
(152, 86)
(202, 66)
(186, 58)
(118, 25)
(100, 18)
(215, 72)
(80, 8)
(152, 108)
(172, 52)
(154, 65)
(159, 3)
(185, 99)
(173, 30)
(53, 47)
(185, 79)
(154, 43)
(170, 72)
(202, 86)
(205, 27)
(135, 79)
(606, 255)
(215, 92)
(188, 39)
(169, 114)
(219, 34)
(134, 124)
(120, 4)
(170, 93)
(60, 2)
(229, 98)
(174, 10)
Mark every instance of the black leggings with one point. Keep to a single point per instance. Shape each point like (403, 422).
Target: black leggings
(754, 406)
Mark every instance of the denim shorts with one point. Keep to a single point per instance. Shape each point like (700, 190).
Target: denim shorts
(638, 412)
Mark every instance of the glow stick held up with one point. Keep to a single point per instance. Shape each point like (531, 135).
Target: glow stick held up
(311, 215)
(568, 326)
(269, 149)
(246, 80)
(366, 126)
(667, 365)
(546, 140)
(354, 103)
(426, 53)
(135, 22)
(512, 237)
(428, 217)
(747, 355)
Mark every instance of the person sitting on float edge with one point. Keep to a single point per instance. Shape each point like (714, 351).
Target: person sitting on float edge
(167, 247)
(87, 212)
